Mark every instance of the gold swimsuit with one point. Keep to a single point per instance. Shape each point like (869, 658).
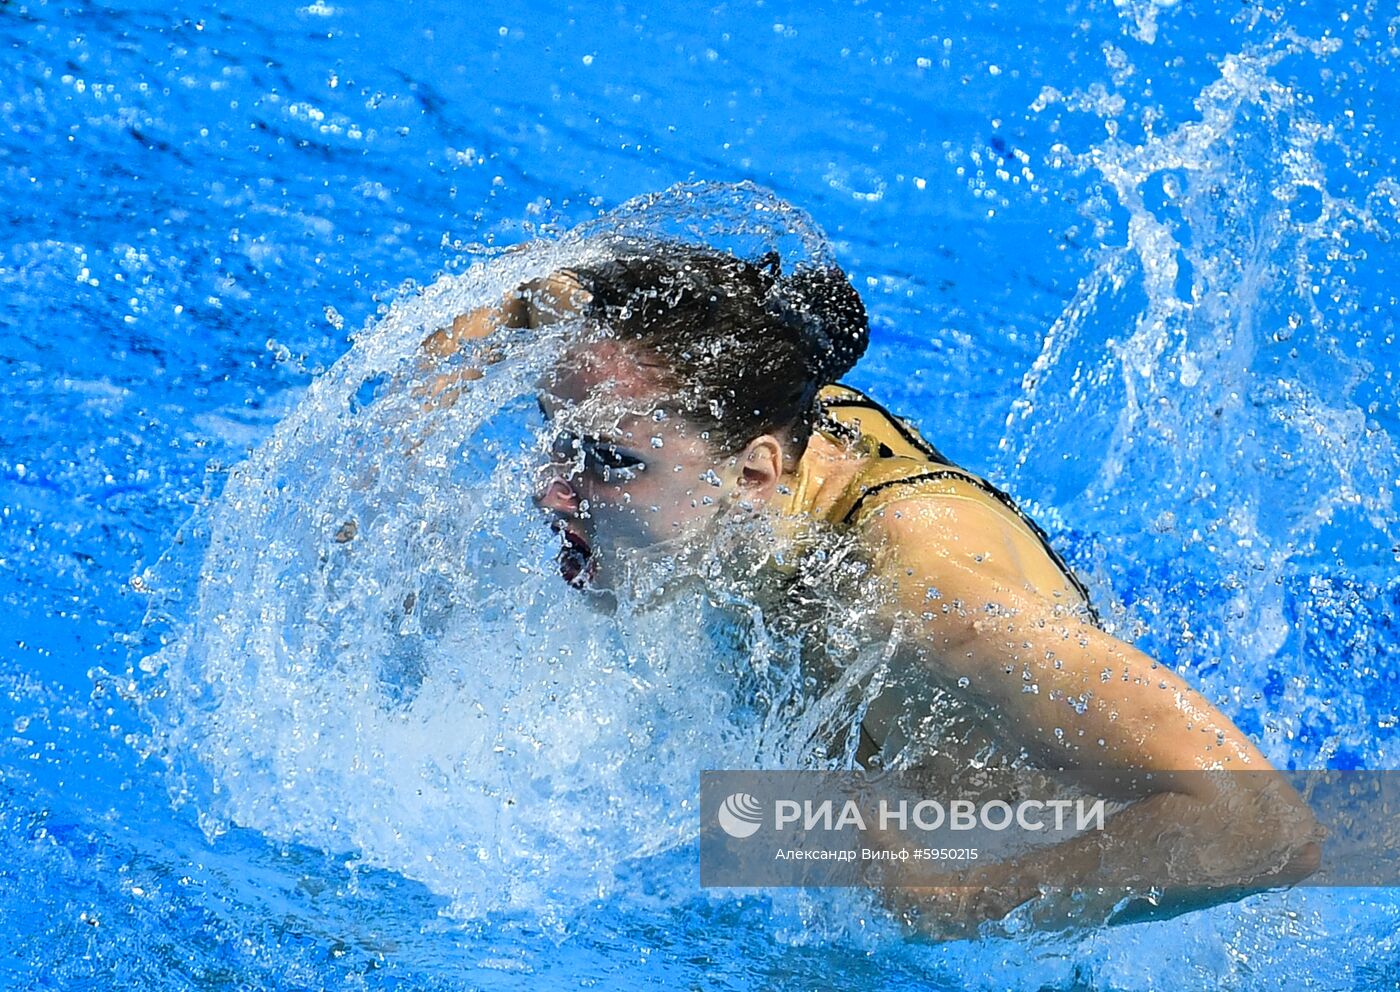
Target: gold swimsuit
(899, 464)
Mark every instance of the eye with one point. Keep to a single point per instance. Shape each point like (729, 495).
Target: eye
(609, 463)
(602, 460)
(610, 456)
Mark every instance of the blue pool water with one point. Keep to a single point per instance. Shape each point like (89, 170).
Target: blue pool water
(1133, 260)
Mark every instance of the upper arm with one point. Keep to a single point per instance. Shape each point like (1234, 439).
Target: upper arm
(1071, 694)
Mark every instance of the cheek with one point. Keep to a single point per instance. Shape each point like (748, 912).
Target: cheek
(670, 490)
(645, 503)
(689, 499)
(619, 498)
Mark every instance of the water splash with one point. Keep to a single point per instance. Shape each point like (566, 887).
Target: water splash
(1215, 366)
(382, 659)
(1143, 15)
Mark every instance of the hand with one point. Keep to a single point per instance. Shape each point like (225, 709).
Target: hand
(558, 296)
(537, 303)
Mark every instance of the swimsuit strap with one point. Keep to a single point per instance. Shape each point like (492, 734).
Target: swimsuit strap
(850, 412)
(885, 480)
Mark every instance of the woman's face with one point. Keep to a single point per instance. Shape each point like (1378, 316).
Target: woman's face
(623, 472)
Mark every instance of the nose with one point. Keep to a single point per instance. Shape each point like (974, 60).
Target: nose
(554, 492)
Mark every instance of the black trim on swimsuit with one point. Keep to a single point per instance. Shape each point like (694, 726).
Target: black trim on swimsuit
(907, 480)
(863, 402)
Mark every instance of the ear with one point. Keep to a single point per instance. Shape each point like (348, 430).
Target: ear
(760, 469)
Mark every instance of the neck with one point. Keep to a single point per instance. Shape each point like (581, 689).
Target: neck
(818, 478)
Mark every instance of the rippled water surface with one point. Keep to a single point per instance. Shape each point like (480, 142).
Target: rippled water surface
(1133, 260)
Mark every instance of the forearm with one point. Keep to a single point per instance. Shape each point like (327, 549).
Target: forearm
(1168, 854)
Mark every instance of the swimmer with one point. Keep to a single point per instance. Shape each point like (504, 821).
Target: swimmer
(704, 389)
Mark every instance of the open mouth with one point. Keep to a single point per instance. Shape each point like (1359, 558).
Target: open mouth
(576, 563)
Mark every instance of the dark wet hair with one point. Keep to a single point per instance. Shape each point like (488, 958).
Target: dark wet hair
(744, 348)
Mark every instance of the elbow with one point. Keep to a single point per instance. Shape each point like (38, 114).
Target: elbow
(1276, 838)
(1296, 837)
(1300, 844)
(1304, 860)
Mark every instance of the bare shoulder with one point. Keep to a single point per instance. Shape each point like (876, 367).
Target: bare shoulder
(946, 534)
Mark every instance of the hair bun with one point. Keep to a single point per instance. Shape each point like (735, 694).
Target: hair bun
(832, 316)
